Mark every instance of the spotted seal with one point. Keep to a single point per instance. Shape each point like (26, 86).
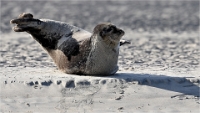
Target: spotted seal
(75, 50)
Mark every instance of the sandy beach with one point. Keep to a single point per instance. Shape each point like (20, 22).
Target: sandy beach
(158, 71)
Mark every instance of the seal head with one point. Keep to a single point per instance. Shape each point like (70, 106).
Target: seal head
(105, 42)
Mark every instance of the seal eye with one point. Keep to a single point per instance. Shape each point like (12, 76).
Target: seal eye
(109, 29)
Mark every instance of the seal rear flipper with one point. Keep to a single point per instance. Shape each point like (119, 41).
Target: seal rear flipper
(26, 22)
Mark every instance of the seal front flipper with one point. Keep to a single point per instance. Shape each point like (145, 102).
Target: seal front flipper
(124, 42)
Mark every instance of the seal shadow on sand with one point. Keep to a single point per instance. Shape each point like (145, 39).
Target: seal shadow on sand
(184, 85)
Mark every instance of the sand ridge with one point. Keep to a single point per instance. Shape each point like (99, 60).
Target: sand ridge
(67, 92)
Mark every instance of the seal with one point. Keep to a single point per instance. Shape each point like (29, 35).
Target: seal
(75, 50)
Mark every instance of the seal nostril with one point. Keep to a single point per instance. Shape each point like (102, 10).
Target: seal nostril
(120, 31)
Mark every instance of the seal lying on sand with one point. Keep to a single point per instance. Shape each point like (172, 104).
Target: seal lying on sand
(74, 50)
